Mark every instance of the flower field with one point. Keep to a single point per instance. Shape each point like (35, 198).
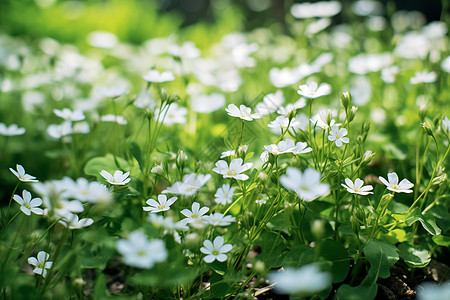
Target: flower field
(302, 159)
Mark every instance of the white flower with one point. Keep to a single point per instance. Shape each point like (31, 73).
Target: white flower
(287, 146)
(41, 263)
(113, 118)
(388, 74)
(270, 103)
(445, 64)
(338, 135)
(224, 194)
(195, 216)
(241, 149)
(138, 251)
(69, 115)
(445, 125)
(155, 76)
(28, 205)
(357, 187)
(284, 77)
(102, 39)
(291, 107)
(319, 9)
(215, 250)
(119, 178)
(366, 63)
(58, 131)
(233, 171)
(162, 205)
(172, 114)
(242, 112)
(312, 90)
(11, 130)
(208, 103)
(218, 219)
(189, 186)
(166, 222)
(306, 185)
(72, 221)
(113, 92)
(144, 101)
(157, 169)
(306, 280)
(393, 185)
(20, 174)
(86, 191)
(423, 77)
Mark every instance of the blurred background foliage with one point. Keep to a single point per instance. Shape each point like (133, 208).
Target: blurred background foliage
(135, 21)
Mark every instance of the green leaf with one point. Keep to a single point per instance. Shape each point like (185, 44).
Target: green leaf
(135, 150)
(219, 287)
(336, 253)
(100, 286)
(292, 258)
(272, 249)
(346, 229)
(368, 288)
(383, 254)
(429, 223)
(441, 240)
(415, 258)
(107, 162)
(392, 151)
(219, 267)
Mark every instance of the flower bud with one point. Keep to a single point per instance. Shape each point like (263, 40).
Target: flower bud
(346, 99)
(242, 150)
(181, 159)
(367, 156)
(157, 169)
(352, 113)
(318, 229)
(428, 127)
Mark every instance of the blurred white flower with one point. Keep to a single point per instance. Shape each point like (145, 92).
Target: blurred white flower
(102, 39)
(445, 64)
(413, 45)
(69, 115)
(218, 219)
(118, 178)
(144, 101)
(113, 92)
(28, 205)
(432, 291)
(156, 76)
(317, 9)
(393, 185)
(215, 250)
(208, 103)
(21, 175)
(306, 185)
(172, 115)
(357, 187)
(11, 130)
(270, 103)
(112, 118)
(367, 63)
(163, 204)
(306, 280)
(388, 74)
(423, 77)
(234, 170)
(41, 263)
(189, 186)
(138, 251)
(58, 131)
(186, 51)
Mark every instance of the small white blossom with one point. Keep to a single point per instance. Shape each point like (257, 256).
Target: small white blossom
(28, 205)
(306, 185)
(234, 170)
(357, 187)
(423, 77)
(21, 175)
(69, 115)
(72, 221)
(218, 219)
(393, 185)
(311, 90)
(215, 250)
(431, 291)
(242, 112)
(162, 205)
(41, 263)
(138, 251)
(195, 216)
(224, 194)
(113, 92)
(156, 76)
(306, 280)
(338, 135)
(11, 130)
(189, 186)
(119, 178)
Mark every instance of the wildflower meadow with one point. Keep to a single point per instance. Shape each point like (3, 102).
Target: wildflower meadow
(293, 151)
